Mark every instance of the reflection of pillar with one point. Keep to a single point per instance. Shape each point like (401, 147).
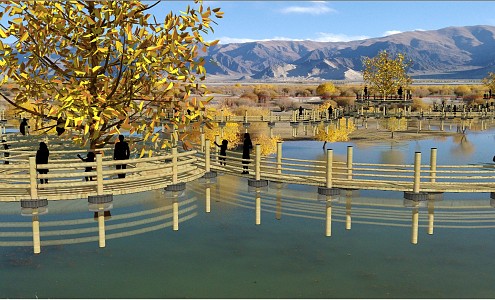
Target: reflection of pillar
(430, 216)
(414, 231)
(101, 227)
(348, 206)
(36, 232)
(278, 210)
(328, 227)
(258, 207)
(175, 212)
(441, 125)
(208, 201)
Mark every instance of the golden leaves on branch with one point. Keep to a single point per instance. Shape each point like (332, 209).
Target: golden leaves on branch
(105, 65)
(385, 73)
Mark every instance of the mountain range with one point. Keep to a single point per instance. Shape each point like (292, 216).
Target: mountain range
(466, 52)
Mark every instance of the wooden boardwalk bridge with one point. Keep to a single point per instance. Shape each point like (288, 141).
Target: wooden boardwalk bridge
(171, 170)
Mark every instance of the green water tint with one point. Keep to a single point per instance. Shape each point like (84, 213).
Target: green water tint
(223, 254)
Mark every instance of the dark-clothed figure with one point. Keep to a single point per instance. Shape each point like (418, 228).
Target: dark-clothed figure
(301, 110)
(42, 158)
(399, 92)
(223, 151)
(330, 111)
(121, 152)
(23, 126)
(365, 92)
(5, 154)
(89, 158)
(246, 149)
(60, 128)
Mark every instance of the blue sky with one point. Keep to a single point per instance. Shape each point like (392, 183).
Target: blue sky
(332, 21)
(335, 20)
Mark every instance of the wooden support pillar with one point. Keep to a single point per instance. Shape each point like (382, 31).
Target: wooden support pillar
(433, 164)
(257, 170)
(329, 161)
(417, 172)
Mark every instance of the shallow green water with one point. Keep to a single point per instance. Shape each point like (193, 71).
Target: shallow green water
(223, 254)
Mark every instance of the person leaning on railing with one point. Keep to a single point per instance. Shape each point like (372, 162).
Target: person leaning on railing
(121, 152)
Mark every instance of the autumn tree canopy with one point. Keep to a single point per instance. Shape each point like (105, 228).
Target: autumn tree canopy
(489, 81)
(99, 67)
(385, 73)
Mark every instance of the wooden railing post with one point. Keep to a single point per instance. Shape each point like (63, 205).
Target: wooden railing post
(217, 149)
(328, 180)
(257, 169)
(207, 156)
(417, 172)
(433, 165)
(99, 174)
(279, 157)
(349, 162)
(33, 181)
(174, 166)
(203, 142)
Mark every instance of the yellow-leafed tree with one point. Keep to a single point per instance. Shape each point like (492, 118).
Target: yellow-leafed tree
(393, 124)
(385, 73)
(268, 145)
(489, 82)
(231, 131)
(103, 66)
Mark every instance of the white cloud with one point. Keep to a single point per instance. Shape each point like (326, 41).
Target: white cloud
(338, 37)
(316, 8)
(390, 32)
(228, 40)
(321, 37)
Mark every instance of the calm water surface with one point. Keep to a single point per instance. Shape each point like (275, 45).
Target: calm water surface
(223, 254)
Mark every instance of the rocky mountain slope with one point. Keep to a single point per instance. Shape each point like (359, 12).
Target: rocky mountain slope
(448, 53)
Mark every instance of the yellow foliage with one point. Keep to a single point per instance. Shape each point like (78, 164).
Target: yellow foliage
(326, 87)
(231, 131)
(336, 132)
(393, 124)
(385, 74)
(268, 145)
(116, 67)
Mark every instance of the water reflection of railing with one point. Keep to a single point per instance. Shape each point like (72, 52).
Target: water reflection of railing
(76, 231)
(350, 208)
(414, 178)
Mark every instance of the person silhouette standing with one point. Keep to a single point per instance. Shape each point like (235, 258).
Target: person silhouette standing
(246, 149)
(121, 152)
(301, 111)
(42, 158)
(399, 92)
(6, 154)
(223, 151)
(365, 92)
(23, 126)
(330, 111)
(89, 158)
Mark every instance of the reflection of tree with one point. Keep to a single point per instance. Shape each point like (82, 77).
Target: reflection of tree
(464, 147)
(392, 156)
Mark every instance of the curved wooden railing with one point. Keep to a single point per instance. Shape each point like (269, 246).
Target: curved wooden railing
(66, 177)
(415, 178)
